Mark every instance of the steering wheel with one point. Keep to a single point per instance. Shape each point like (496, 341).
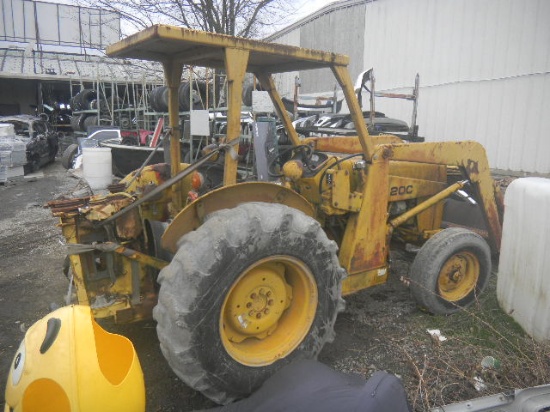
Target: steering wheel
(302, 152)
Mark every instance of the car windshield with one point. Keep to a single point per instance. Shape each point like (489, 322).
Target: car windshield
(20, 128)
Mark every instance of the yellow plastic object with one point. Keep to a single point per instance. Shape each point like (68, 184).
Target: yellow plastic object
(67, 362)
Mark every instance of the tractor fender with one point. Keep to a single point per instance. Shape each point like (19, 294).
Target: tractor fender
(192, 216)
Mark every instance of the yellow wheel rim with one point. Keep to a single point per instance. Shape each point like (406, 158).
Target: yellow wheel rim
(268, 310)
(459, 276)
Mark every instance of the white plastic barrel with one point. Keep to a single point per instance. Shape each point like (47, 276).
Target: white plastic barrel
(523, 285)
(97, 167)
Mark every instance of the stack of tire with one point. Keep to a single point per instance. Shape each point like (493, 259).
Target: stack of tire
(87, 99)
(80, 122)
(158, 97)
(82, 100)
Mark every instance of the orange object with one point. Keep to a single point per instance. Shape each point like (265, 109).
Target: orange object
(156, 134)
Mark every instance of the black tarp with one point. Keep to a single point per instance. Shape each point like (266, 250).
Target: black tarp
(307, 385)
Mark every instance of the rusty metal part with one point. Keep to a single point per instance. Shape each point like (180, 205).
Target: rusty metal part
(116, 187)
(67, 205)
(101, 207)
(132, 254)
(160, 188)
(364, 244)
(471, 158)
(107, 247)
(107, 199)
(193, 215)
(129, 225)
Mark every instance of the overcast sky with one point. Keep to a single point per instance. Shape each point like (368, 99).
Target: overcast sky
(305, 7)
(309, 6)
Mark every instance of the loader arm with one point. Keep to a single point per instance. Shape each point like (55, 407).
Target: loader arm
(471, 158)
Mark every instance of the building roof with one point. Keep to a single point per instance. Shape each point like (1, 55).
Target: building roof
(27, 63)
(329, 8)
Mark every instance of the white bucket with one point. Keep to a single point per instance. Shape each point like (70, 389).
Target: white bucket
(523, 285)
(97, 167)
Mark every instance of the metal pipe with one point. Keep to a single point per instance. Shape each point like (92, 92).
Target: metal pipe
(399, 220)
(112, 247)
(413, 129)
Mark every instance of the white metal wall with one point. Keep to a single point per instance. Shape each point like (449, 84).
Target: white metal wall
(339, 31)
(337, 28)
(484, 71)
(285, 83)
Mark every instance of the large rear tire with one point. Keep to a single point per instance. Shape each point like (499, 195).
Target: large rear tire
(248, 291)
(450, 271)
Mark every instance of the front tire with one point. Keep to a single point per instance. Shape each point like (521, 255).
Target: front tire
(67, 159)
(450, 271)
(250, 290)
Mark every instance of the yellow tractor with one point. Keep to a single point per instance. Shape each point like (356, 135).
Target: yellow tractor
(244, 278)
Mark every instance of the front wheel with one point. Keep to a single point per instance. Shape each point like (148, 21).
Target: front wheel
(450, 270)
(69, 154)
(248, 291)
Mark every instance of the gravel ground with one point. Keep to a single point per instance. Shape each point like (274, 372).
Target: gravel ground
(381, 328)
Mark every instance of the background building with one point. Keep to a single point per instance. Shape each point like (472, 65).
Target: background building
(49, 52)
(484, 67)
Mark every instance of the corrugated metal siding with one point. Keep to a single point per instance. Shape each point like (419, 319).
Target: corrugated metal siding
(340, 31)
(285, 82)
(484, 70)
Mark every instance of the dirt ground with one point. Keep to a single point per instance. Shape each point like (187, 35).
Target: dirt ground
(381, 328)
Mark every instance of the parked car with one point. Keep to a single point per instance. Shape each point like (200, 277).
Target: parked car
(42, 142)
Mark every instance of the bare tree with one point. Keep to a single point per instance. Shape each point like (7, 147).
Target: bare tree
(245, 18)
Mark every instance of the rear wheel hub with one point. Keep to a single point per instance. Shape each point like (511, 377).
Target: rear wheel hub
(268, 310)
